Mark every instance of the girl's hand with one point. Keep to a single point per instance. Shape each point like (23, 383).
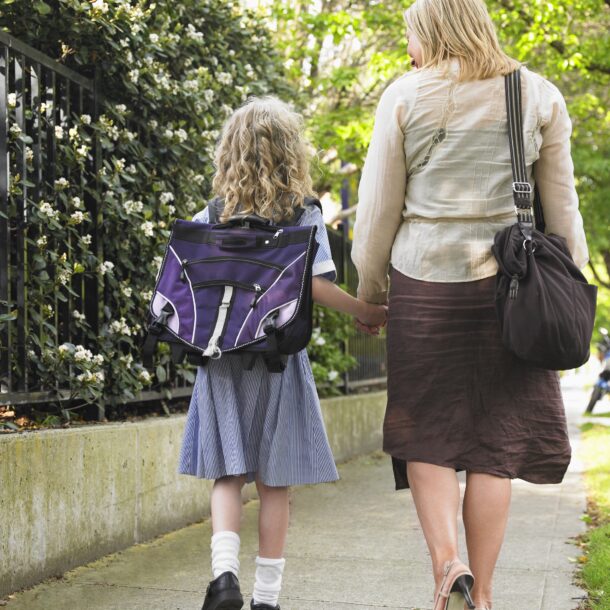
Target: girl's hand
(373, 315)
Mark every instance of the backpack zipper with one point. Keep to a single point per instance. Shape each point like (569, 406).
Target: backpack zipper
(215, 259)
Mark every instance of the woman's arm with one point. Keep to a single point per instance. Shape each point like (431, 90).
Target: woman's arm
(554, 176)
(381, 198)
(330, 295)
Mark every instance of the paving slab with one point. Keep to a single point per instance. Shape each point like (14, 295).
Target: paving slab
(352, 545)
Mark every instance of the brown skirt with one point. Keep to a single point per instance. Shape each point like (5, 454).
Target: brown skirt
(456, 397)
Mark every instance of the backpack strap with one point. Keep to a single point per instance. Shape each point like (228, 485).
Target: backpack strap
(215, 207)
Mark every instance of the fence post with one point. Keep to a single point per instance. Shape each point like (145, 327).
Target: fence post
(344, 255)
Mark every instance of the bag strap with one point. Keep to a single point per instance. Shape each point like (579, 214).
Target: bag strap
(522, 190)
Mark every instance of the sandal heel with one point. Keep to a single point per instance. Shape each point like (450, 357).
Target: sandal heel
(463, 584)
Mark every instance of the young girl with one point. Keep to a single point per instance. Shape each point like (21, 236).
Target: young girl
(253, 425)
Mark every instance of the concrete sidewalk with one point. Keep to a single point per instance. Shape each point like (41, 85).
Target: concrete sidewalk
(352, 545)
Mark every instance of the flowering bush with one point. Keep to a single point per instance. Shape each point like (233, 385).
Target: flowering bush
(169, 74)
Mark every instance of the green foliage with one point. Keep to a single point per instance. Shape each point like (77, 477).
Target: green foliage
(595, 574)
(169, 73)
(326, 350)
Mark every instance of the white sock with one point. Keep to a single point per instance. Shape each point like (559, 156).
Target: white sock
(225, 553)
(268, 580)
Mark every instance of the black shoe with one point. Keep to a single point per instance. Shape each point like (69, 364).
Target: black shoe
(223, 593)
(254, 606)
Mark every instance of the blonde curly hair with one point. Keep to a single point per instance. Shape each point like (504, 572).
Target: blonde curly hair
(262, 161)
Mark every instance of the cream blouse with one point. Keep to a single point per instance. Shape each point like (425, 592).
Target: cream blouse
(437, 184)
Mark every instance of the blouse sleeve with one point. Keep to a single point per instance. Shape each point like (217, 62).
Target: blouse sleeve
(323, 264)
(381, 199)
(554, 176)
(202, 216)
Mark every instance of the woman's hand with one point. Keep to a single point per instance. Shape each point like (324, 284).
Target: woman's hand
(372, 318)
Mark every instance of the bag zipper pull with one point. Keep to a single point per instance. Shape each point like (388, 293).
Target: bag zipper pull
(277, 233)
(514, 287)
(257, 296)
(184, 262)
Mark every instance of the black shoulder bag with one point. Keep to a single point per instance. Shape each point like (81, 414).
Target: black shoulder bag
(544, 304)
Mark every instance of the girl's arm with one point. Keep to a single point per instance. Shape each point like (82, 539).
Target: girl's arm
(330, 295)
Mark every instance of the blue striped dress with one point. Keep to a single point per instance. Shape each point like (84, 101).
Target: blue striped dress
(259, 424)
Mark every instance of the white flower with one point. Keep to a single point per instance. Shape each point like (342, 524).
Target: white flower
(77, 315)
(157, 260)
(106, 267)
(124, 42)
(191, 84)
(147, 228)
(126, 290)
(224, 78)
(153, 124)
(132, 206)
(63, 349)
(72, 132)
(130, 136)
(208, 95)
(47, 209)
(11, 100)
(227, 110)
(82, 355)
(182, 135)
(332, 375)
(121, 108)
(41, 242)
(146, 295)
(29, 154)
(168, 133)
(119, 164)
(134, 75)
(76, 202)
(59, 132)
(170, 210)
(120, 327)
(154, 38)
(77, 217)
(61, 183)
(99, 360)
(320, 341)
(86, 119)
(144, 376)
(166, 197)
(15, 130)
(161, 224)
(99, 5)
(82, 151)
(193, 34)
(86, 239)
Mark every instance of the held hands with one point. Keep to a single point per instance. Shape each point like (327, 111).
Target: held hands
(372, 319)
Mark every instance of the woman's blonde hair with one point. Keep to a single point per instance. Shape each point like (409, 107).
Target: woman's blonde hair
(262, 161)
(459, 29)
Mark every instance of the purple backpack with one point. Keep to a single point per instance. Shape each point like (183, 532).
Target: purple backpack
(241, 287)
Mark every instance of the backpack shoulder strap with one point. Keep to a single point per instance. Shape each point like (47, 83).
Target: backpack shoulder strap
(301, 210)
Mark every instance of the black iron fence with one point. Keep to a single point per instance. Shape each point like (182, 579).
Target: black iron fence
(37, 96)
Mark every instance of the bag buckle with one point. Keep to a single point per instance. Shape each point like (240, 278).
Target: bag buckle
(522, 188)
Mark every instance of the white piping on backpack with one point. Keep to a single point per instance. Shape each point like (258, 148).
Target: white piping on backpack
(266, 291)
(192, 295)
(212, 350)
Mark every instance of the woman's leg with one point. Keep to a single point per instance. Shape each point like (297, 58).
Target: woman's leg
(436, 493)
(272, 530)
(485, 512)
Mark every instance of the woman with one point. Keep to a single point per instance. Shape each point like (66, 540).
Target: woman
(435, 188)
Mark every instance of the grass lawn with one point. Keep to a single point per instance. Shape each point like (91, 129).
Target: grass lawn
(596, 569)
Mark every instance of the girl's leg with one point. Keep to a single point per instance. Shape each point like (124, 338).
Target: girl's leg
(226, 506)
(272, 530)
(436, 493)
(485, 512)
